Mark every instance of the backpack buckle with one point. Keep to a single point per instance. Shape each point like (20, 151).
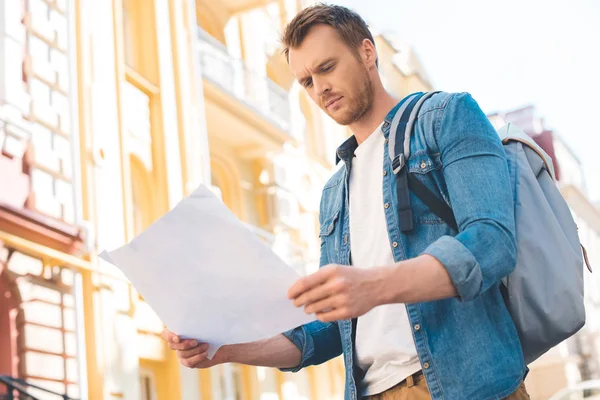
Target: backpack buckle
(398, 163)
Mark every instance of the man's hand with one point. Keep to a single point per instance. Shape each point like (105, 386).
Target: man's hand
(275, 352)
(337, 292)
(192, 354)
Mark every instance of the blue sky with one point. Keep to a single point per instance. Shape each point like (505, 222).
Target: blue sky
(508, 54)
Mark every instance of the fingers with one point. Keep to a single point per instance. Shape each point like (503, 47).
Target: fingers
(169, 336)
(185, 344)
(201, 348)
(176, 343)
(191, 354)
(325, 305)
(195, 361)
(333, 315)
(309, 282)
(328, 289)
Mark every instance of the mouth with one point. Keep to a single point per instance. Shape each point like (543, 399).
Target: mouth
(333, 101)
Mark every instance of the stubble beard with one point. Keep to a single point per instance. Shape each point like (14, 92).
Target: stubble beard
(360, 105)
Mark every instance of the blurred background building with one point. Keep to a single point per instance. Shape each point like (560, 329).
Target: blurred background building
(110, 113)
(109, 116)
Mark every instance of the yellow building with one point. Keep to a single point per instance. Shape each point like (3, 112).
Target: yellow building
(110, 113)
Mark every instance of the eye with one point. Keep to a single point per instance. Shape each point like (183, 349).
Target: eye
(328, 68)
(308, 82)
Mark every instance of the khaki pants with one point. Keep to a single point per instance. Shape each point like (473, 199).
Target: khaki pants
(415, 388)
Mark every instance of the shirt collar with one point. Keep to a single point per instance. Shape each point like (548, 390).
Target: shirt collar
(346, 151)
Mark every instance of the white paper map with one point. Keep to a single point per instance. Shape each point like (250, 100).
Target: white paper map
(208, 277)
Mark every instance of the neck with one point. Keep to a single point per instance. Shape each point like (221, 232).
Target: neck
(383, 102)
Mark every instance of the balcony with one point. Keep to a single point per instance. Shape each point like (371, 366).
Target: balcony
(15, 389)
(243, 108)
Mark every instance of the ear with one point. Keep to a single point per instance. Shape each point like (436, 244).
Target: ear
(368, 53)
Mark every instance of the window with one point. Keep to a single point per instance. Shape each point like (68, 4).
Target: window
(139, 139)
(141, 116)
(137, 118)
(139, 37)
(147, 385)
(141, 192)
(227, 382)
(128, 34)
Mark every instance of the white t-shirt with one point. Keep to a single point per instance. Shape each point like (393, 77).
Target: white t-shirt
(385, 348)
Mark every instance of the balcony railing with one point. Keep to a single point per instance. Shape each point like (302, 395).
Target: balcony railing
(233, 75)
(19, 389)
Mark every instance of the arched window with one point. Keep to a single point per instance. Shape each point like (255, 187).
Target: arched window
(225, 177)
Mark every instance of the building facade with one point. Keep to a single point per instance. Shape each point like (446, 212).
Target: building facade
(112, 112)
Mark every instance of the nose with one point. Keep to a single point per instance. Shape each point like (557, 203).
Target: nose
(321, 86)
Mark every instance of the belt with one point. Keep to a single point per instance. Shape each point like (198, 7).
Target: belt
(410, 380)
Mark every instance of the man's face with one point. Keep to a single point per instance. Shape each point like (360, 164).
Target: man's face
(334, 76)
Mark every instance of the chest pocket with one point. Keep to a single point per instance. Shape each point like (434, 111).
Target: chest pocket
(330, 238)
(427, 168)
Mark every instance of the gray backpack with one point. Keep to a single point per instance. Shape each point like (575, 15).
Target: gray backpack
(544, 293)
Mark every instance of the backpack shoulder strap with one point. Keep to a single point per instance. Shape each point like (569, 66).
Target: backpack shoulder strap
(437, 206)
(398, 129)
(402, 125)
(396, 142)
(511, 132)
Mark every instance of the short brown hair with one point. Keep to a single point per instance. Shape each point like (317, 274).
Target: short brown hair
(350, 26)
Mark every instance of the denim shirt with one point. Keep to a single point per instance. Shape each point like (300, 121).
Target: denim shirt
(468, 345)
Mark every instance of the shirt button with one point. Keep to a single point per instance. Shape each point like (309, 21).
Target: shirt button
(417, 327)
(395, 244)
(387, 205)
(384, 173)
(386, 140)
(426, 365)
(423, 165)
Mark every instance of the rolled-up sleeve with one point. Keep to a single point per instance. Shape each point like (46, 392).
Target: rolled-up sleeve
(478, 183)
(317, 341)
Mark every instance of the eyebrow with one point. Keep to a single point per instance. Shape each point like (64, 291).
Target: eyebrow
(318, 68)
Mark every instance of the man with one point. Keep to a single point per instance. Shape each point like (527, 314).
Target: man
(417, 314)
